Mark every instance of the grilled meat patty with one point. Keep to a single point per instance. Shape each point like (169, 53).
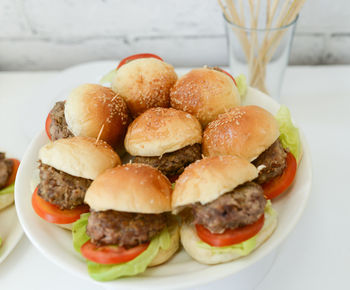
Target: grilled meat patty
(6, 167)
(123, 228)
(62, 189)
(58, 126)
(274, 160)
(240, 207)
(173, 163)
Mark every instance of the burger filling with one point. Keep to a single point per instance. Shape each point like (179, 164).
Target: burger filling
(62, 189)
(272, 162)
(173, 163)
(238, 208)
(122, 228)
(58, 126)
(6, 167)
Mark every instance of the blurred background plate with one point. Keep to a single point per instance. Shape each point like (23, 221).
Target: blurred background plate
(181, 271)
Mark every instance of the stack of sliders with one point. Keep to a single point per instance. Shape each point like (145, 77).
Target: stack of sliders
(124, 214)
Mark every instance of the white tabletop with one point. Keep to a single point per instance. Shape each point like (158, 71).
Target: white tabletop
(316, 255)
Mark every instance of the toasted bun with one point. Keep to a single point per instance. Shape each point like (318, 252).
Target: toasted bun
(79, 156)
(134, 187)
(245, 131)
(207, 179)
(190, 242)
(6, 200)
(144, 83)
(92, 110)
(165, 255)
(161, 130)
(205, 93)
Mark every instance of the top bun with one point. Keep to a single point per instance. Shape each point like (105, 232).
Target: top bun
(162, 130)
(79, 156)
(205, 93)
(133, 187)
(245, 131)
(209, 178)
(92, 109)
(144, 83)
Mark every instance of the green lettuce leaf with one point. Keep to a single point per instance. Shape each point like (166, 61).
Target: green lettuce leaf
(0, 242)
(79, 232)
(242, 86)
(244, 248)
(138, 265)
(7, 190)
(289, 135)
(108, 78)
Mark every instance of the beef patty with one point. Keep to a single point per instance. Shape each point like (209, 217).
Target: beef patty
(58, 126)
(6, 167)
(240, 207)
(274, 161)
(59, 188)
(122, 228)
(173, 163)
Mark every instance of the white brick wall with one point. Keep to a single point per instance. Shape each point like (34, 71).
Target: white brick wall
(42, 34)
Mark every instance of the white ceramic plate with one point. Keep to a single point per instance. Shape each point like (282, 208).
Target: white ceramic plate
(181, 271)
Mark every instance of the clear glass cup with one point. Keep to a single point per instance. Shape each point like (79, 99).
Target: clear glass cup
(261, 54)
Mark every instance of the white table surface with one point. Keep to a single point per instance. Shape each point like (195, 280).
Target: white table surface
(316, 254)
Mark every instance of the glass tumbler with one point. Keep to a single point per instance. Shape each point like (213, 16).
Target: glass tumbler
(261, 54)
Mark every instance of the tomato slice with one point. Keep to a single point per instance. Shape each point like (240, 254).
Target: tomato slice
(14, 171)
(54, 214)
(230, 237)
(136, 56)
(280, 184)
(47, 126)
(110, 254)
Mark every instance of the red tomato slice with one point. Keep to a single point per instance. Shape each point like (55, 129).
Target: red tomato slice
(110, 254)
(225, 72)
(47, 126)
(136, 56)
(280, 184)
(230, 237)
(14, 171)
(53, 214)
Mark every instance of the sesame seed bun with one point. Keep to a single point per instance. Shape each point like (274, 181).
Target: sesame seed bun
(92, 109)
(205, 93)
(79, 156)
(144, 83)
(205, 255)
(245, 131)
(209, 178)
(134, 187)
(162, 130)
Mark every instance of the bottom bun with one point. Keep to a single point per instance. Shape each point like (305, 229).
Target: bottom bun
(190, 242)
(165, 255)
(6, 200)
(65, 226)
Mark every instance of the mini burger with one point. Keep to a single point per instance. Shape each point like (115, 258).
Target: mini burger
(225, 213)
(67, 168)
(205, 93)
(130, 227)
(8, 171)
(144, 81)
(90, 110)
(253, 133)
(166, 139)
